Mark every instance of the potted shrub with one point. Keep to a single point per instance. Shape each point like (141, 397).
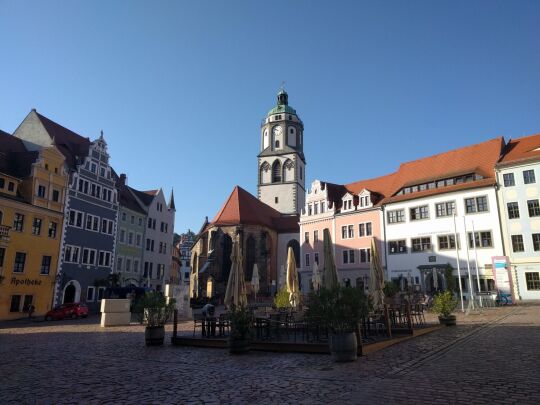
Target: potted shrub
(156, 312)
(444, 304)
(340, 310)
(282, 300)
(241, 321)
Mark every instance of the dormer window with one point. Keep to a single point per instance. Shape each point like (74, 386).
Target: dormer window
(347, 205)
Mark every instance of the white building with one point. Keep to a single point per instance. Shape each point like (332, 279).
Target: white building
(456, 187)
(519, 194)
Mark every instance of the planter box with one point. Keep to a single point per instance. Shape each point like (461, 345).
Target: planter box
(115, 305)
(115, 318)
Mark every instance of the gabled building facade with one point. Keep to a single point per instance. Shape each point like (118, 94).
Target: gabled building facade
(518, 177)
(91, 204)
(132, 219)
(158, 237)
(32, 189)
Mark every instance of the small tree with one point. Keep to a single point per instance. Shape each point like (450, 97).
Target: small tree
(154, 309)
(450, 282)
(282, 299)
(444, 303)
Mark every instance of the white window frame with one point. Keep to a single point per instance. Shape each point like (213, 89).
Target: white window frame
(77, 215)
(70, 259)
(89, 255)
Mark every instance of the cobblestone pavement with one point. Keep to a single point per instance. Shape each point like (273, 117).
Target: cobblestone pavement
(493, 357)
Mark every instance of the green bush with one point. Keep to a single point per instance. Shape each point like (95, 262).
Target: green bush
(444, 303)
(154, 309)
(340, 309)
(241, 322)
(282, 299)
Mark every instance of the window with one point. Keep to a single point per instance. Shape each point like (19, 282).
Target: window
(15, 305)
(397, 246)
(135, 266)
(130, 238)
(89, 256)
(90, 294)
(18, 222)
(513, 210)
(307, 259)
(445, 209)
(160, 271)
(364, 229)
(28, 299)
(122, 236)
(124, 216)
(45, 265)
(138, 239)
(447, 242)
(310, 209)
(395, 217)
(2, 256)
(75, 218)
(535, 238)
(52, 229)
(315, 236)
(11, 186)
(421, 244)
(71, 254)
(104, 259)
(119, 262)
(132, 219)
(508, 179)
(532, 280)
(150, 223)
(528, 177)
(56, 195)
(18, 265)
(315, 208)
(348, 256)
(41, 191)
(92, 223)
(365, 255)
(476, 204)
(323, 207)
(276, 169)
(128, 265)
(36, 226)
(316, 257)
(517, 243)
(148, 244)
(418, 213)
(140, 221)
(482, 239)
(534, 208)
(344, 232)
(350, 231)
(347, 205)
(107, 226)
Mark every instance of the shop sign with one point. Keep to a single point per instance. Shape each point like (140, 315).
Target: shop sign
(25, 281)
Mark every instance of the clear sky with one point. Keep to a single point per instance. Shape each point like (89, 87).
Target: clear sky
(180, 87)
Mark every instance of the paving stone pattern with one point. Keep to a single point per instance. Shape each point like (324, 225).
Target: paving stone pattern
(491, 357)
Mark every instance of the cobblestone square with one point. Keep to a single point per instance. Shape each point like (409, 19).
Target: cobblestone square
(491, 357)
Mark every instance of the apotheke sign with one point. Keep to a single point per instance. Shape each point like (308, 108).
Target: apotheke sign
(26, 281)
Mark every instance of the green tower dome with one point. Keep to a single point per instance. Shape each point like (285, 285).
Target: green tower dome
(282, 104)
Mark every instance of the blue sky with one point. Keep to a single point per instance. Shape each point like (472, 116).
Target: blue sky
(180, 87)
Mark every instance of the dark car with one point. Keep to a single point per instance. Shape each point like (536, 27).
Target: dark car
(73, 310)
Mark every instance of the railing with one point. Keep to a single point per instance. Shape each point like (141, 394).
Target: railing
(4, 231)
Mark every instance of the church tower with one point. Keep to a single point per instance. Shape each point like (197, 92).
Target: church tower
(281, 182)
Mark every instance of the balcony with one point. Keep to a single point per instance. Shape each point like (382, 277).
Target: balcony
(4, 235)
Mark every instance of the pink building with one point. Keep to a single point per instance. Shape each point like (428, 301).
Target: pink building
(353, 214)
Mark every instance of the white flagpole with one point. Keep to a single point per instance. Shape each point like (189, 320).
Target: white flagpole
(476, 262)
(456, 240)
(470, 304)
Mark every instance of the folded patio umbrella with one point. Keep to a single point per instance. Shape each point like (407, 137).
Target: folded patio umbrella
(376, 279)
(292, 278)
(236, 288)
(255, 280)
(330, 276)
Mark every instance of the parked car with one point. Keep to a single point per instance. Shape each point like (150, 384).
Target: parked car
(73, 310)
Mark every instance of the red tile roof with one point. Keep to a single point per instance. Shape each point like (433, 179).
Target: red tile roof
(522, 149)
(242, 208)
(479, 158)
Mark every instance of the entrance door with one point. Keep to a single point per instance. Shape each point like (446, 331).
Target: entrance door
(69, 294)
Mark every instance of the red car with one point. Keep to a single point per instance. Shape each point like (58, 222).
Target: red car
(73, 310)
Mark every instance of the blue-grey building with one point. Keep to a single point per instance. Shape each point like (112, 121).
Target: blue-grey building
(91, 210)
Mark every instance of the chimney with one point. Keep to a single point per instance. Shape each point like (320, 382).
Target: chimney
(123, 179)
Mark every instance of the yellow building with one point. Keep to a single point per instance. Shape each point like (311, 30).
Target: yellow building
(32, 195)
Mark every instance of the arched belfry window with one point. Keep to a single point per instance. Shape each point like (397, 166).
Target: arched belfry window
(276, 172)
(277, 145)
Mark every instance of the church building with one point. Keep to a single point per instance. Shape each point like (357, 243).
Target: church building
(265, 227)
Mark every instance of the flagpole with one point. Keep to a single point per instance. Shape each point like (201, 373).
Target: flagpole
(476, 262)
(470, 305)
(456, 240)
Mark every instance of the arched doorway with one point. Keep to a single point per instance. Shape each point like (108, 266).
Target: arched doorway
(296, 250)
(72, 292)
(226, 250)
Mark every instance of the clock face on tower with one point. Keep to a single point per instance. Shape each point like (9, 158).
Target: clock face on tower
(277, 131)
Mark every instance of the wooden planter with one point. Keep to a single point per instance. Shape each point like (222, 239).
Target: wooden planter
(154, 335)
(449, 320)
(343, 346)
